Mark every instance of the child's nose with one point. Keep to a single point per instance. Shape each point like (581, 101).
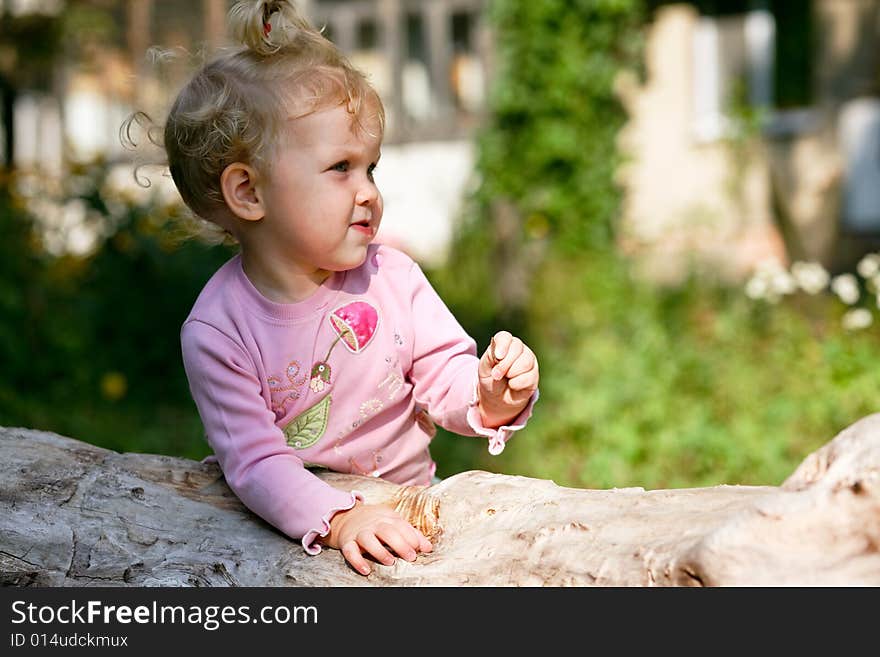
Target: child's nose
(367, 194)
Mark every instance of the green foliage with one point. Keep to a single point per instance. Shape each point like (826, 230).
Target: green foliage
(91, 343)
(548, 149)
(548, 145)
(21, 296)
(679, 388)
(639, 386)
(549, 142)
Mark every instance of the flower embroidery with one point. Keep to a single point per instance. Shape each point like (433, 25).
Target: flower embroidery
(320, 376)
(355, 325)
(282, 393)
(371, 407)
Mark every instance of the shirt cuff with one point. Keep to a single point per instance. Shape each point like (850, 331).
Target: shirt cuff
(498, 437)
(308, 540)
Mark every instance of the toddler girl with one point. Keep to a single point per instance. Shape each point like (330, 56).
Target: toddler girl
(313, 345)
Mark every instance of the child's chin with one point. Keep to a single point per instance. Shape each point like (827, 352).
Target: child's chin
(353, 262)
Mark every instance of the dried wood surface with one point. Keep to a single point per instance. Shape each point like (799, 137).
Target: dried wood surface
(72, 514)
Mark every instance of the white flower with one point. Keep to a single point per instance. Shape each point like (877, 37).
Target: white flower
(869, 265)
(856, 319)
(811, 277)
(781, 282)
(769, 281)
(756, 287)
(846, 287)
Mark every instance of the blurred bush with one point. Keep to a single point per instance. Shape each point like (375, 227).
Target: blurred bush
(90, 343)
(640, 386)
(693, 387)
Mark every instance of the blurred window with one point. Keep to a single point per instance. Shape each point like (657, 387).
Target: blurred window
(743, 61)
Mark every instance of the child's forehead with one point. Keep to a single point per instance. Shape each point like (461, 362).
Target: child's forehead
(334, 122)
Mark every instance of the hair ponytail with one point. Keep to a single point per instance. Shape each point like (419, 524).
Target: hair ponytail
(267, 26)
(235, 107)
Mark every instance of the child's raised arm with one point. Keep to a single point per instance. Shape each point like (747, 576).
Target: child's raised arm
(456, 386)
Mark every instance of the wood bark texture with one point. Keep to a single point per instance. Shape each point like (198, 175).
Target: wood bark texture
(72, 514)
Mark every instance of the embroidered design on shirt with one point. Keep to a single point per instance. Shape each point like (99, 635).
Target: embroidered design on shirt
(370, 407)
(284, 394)
(320, 374)
(307, 428)
(394, 380)
(355, 325)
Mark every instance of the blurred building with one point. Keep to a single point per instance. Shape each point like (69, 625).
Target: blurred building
(429, 59)
(755, 134)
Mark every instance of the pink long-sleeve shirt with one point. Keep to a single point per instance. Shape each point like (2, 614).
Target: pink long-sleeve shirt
(351, 379)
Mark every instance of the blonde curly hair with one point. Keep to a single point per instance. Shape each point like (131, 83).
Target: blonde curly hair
(233, 108)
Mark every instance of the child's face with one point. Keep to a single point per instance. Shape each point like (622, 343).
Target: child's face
(322, 207)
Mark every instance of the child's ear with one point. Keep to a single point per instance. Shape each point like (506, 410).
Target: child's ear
(239, 185)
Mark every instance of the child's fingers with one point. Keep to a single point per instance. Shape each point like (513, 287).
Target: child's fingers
(418, 540)
(413, 536)
(352, 553)
(527, 381)
(399, 542)
(498, 345)
(374, 547)
(494, 353)
(525, 363)
(514, 351)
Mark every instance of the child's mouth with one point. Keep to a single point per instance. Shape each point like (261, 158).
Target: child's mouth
(363, 227)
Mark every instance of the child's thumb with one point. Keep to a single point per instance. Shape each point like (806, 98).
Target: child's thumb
(488, 361)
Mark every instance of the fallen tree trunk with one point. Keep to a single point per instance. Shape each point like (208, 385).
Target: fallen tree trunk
(72, 514)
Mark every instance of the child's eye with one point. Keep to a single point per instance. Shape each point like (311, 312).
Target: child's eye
(340, 166)
(370, 171)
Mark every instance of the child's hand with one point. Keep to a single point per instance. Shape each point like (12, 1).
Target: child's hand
(376, 530)
(508, 374)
